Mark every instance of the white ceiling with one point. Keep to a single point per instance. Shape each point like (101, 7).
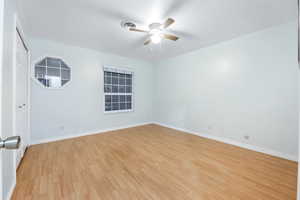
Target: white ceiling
(96, 23)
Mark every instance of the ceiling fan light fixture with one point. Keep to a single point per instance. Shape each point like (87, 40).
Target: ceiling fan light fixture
(156, 38)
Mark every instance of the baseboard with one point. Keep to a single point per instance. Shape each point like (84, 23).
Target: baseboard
(11, 191)
(217, 138)
(235, 143)
(91, 132)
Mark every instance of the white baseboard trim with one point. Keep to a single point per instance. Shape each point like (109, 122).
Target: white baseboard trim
(235, 143)
(11, 191)
(217, 138)
(91, 132)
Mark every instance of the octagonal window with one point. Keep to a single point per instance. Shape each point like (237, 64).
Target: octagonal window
(52, 72)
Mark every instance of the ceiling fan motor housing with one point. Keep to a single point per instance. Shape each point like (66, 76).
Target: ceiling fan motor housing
(156, 26)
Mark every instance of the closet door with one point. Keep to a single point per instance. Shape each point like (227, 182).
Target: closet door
(21, 95)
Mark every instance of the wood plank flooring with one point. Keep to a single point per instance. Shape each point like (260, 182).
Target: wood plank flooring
(151, 162)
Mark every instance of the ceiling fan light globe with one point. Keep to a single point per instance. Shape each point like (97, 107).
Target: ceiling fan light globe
(156, 38)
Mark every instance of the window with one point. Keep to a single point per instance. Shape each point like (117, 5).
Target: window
(118, 94)
(52, 72)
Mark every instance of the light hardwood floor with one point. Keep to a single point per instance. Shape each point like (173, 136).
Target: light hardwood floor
(151, 162)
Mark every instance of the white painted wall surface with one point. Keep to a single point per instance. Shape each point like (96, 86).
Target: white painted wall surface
(246, 86)
(78, 107)
(8, 171)
(1, 56)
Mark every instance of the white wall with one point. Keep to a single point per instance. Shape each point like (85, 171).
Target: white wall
(78, 107)
(246, 86)
(8, 170)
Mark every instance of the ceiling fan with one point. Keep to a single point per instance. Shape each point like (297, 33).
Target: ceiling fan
(156, 31)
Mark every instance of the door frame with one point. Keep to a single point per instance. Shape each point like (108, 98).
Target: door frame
(20, 33)
(1, 67)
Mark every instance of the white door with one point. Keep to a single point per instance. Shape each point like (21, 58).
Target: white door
(1, 54)
(21, 96)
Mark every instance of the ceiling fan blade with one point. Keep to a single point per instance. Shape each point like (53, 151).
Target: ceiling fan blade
(170, 37)
(138, 30)
(168, 22)
(147, 42)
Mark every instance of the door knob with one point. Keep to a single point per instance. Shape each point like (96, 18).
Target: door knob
(21, 106)
(10, 142)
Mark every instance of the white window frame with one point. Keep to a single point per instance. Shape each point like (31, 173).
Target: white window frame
(118, 70)
(40, 58)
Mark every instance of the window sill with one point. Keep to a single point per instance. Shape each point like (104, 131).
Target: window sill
(117, 111)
